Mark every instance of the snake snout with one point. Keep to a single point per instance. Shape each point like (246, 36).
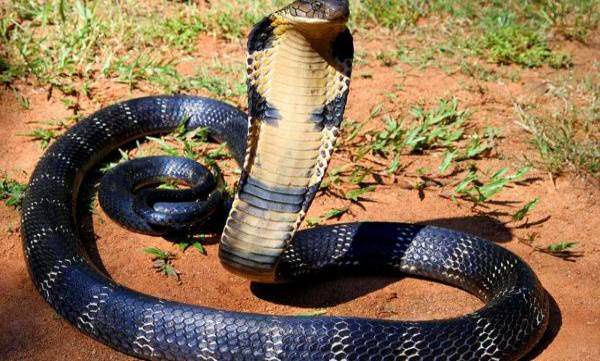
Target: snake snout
(337, 10)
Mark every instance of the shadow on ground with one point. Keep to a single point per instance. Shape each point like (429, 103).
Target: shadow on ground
(554, 325)
(482, 226)
(23, 318)
(323, 293)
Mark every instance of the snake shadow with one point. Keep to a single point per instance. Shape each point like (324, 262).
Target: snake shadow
(554, 325)
(484, 226)
(336, 289)
(85, 213)
(323, 293)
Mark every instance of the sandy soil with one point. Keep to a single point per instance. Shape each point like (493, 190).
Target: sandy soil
(568, 211)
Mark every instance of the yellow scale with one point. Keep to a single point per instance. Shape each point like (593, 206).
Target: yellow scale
(291, 152)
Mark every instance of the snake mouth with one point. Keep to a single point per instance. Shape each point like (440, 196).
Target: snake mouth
(298, 79)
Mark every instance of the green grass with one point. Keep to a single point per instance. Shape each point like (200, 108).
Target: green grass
(524, 211)
(506, 41)
(566, 132)
(334, 213)
(12, 192)
(477, 146)
(73, 45)
(392, 14)
(356, 194)
(574, 19)
(123, 157)
(162, 262)
(142, 67)
(473, 187)
(192, 241)
(439, 127)
(561, 247)
(564, 250)
(515, 32)
(44, 136)
(442, 130)
(313, 313)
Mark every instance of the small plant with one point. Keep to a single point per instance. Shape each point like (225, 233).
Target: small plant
(314, 313)
(330, 214)
(476, 147)
(124, 156)
(180, 31)
(394, 166)
(334, 177)
(352, 129)
(568, 139)
(477, 71)
(563, 250)
(23, 101)
(440, 126)
(219, 153)
(506, 39)
(355, 195)
(191, 145)
(217, 86)
(423, 182)
(516, 44)
(388, 141)
(162, 262)
(166, 147)
(449, 156)
(44, 136)
(194, 241)
(132, 71)
(12, 192)
(230, 19)
(561, 247)
(477, 191)
(387, 58)
(521, 213)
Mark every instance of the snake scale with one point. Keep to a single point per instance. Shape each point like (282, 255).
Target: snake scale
(299, 63)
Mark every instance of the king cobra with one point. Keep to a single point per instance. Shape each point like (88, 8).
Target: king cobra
(299, 63)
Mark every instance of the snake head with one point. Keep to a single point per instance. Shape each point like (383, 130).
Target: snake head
(317, 11)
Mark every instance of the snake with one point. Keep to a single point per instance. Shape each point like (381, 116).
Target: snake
(299, 63)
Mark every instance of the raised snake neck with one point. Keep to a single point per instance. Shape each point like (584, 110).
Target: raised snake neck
(298, 80)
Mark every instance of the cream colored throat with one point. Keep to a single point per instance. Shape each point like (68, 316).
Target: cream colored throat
(287, 154)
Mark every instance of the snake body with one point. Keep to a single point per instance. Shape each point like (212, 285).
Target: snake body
(283, 146)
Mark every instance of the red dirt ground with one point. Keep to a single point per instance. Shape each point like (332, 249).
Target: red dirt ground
(569, 210)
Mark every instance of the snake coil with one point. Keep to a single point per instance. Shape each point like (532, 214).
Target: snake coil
(299, 67)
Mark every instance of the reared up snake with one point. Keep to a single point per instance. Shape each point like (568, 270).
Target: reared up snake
(299, 64)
